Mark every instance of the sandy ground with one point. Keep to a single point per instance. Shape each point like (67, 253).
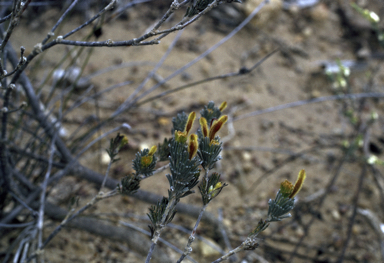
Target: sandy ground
(262, 143)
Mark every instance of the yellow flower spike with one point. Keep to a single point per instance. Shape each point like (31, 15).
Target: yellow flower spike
(223, 106)
(192, 146)
(146, 160)
(216, 126)
(191, 119)
(204, 126)
(218, 185)
(286, 188)
(152, 150)
(299, 183)
(124, 141)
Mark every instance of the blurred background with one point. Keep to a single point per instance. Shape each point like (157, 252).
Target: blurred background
(303, 81)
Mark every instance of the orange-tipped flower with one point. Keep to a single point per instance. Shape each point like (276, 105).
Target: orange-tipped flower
(124, 141)
(223, 106)
(146, 160)
(152, 150)
(204, 126)
(299, 183)
(191, 119)
(214, 142)
(286, 188)
(216, 126)
(192, 146)
(181, 136)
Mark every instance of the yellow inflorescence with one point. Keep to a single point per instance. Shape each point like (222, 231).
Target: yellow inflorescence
(193, 145)
(289, 190)
(299, 183)
(124, 141)
(216, 126)
(146, 160)
(223, 106)
(191, 119)
(204, 126)
(286, 188)
(152, 151)
(182, 136)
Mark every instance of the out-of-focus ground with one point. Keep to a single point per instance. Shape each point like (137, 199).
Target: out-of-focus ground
(307, 39)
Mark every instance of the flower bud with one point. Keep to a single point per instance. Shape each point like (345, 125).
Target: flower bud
(286, 188)
(299, 183)
(216, 126)
(223, 106)
(146, 160)
(152, 151)
(204, 126)
(192, 146)
(191, 119)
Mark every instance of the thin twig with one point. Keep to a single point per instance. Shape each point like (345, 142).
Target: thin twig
(229, 254)
(134, 240)
(353, 217)
(188, 249)
(121, 9)
(225, 236)
(106, 174)
(194, 61)
(105, 9)
(150, 252)
(17, 225)
(119, 66)
(17, 10)
(44, 185)
(97, 198)
(83, 99)
(33, 212)
(310, 101)
(158, 170)
(356, 197)
(174, 6)
(241, 72)
(2, 20)
(378, 178)
(202, 239)
(160, 239)
(376, 224)
(150, 75)
(89, 145)
(61, 19)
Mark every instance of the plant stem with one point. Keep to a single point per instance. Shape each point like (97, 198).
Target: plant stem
(206, 178)
(230, 253)
(188, 248)
(171, 204)
(106, 175)
(150, 252)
